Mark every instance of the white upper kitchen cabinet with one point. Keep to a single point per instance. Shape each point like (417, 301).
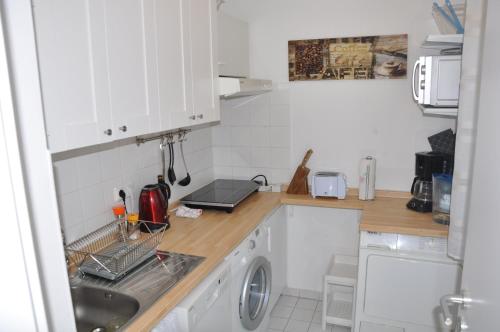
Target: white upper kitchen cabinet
(130, 40)
(200, 72)
(97, 73)
(233, 48)
(203, 24)
(73, 70)
(174, 65)
(120, 68)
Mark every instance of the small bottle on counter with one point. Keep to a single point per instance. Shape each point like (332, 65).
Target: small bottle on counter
(133, 229)
(119, 211)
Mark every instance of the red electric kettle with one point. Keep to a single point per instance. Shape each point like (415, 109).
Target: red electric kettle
(153, 206)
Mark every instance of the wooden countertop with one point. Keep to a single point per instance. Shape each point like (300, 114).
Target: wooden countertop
(386, 214)
(216, 233)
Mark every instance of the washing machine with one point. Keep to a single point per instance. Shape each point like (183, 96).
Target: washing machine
(251, 283)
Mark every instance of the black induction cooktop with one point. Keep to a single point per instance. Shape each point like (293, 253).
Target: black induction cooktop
(220, 194)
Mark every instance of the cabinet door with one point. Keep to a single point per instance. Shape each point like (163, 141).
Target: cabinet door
(233, 49)
(392, 292)
(203, 29)
(175, 89)
(132, 66)
(71, 54)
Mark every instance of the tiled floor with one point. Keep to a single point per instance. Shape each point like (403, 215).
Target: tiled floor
(296, 314)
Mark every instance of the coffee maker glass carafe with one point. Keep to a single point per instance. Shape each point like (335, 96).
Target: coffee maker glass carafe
(427, 163)
(422, 196)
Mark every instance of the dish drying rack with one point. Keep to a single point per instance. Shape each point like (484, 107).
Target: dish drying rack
(108, 252)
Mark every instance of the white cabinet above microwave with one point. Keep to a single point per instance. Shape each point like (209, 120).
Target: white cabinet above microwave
(436, 80)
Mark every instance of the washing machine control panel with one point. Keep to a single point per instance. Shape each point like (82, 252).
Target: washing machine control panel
(378, 240)
(257, 238)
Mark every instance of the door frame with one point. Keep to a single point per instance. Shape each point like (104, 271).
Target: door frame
(479, 299)
(32, 176)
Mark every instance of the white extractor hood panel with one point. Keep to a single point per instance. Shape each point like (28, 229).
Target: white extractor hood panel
(231, 87)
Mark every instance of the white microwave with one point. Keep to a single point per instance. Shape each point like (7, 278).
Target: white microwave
(436, 80)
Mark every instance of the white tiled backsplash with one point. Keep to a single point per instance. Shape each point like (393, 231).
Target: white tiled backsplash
(85, 180)
(254, 137)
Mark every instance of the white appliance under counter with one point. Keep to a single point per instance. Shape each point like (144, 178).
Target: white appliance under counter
(400, 281)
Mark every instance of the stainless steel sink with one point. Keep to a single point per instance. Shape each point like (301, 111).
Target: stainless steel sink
(99, 310)
(104, 305)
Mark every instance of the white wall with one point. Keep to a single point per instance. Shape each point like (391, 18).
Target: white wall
(85, 178)
(343, 121)
(253, 138)
(314, 235)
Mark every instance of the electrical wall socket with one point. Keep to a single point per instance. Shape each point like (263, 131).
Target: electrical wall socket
(276, 188)
(265, 188)
(116, 193)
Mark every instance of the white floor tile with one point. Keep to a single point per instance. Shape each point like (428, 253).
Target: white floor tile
(277, 323)
(317, 328)
(291, 291)
(271, 330)
(297, 326)
(310, 294)
(287, 301)
(317, 317)
(302, 314)
(281, 312)
(306, 304)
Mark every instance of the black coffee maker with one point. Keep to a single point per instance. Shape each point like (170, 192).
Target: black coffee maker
(426, 164)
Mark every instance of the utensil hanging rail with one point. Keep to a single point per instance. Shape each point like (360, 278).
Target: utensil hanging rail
(180, 133)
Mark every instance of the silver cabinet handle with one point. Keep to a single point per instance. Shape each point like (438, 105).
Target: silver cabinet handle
(448, 300)
(200, 116)
(108, 132)
(123, 128)
(192, 117)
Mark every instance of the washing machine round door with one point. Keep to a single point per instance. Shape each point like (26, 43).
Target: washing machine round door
(255, 292)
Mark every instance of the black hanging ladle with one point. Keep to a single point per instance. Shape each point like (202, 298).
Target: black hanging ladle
(171, 172)
(187, 180)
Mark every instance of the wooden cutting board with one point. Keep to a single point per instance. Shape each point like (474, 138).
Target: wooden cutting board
(299, 185)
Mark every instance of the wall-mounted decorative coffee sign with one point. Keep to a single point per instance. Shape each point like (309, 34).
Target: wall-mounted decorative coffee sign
(352, 58)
